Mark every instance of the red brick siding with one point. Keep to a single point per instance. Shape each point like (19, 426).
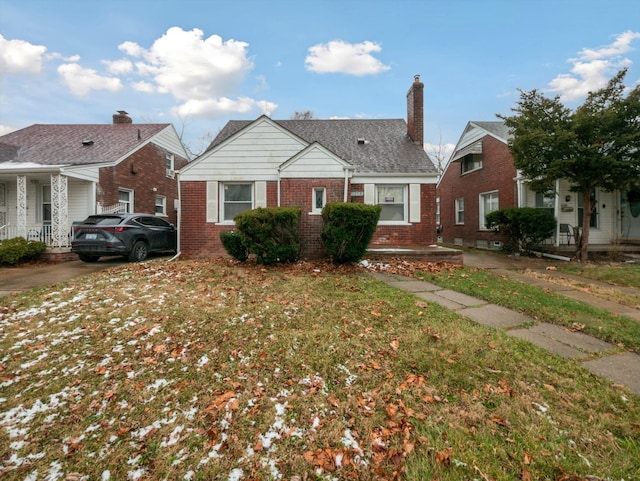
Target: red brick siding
(418, 234)
(497, 173)
(201, 239)
(141, 172)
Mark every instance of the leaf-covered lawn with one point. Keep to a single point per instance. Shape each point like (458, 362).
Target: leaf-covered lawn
(211, 370)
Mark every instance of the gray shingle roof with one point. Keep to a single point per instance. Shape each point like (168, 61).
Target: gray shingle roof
(497, 128)
(62, 144)
(387, 148)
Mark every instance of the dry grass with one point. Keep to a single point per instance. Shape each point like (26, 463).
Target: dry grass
(210, 370)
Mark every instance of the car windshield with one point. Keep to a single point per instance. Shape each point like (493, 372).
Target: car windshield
(103, 220)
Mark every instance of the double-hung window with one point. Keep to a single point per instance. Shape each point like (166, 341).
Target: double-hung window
(161, 205)
(545, 201)
(393, 200)
(46, 203)
(125, 199)
(236, 198)
(488, 204)
(459, 204)
(170, 165)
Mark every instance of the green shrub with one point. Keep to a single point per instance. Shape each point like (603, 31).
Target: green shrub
(13, 251)
(271, 233)
(525, 227)
(348, 230)
(232, 243)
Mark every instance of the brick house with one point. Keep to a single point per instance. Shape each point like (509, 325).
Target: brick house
(53, 175)
(480, 178)
(307, 163)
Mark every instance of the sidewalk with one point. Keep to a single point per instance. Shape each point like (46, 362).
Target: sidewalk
(599, 357)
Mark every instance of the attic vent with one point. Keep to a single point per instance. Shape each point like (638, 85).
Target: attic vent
(87, 142)
(362, 141)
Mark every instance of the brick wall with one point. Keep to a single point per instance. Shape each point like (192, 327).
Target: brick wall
(497, 173)
(141, 172)
(422, 234)
(201, 239)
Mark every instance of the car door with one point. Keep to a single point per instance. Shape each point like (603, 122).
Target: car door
(163, 234)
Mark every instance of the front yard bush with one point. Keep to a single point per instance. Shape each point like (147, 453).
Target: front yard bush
(272, 233)
(525, 227)
(348, 230)
(232, 243)
(18, 249)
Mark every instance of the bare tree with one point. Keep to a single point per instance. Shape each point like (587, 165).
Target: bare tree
(303, 115)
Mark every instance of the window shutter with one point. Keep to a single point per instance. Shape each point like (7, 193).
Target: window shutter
(369, 194)
(261, 194)
(414, 202)
(212, 201)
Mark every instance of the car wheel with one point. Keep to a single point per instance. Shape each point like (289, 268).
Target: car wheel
(87, 258)
(139, 252)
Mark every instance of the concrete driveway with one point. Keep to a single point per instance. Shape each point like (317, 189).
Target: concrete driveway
(24, 278)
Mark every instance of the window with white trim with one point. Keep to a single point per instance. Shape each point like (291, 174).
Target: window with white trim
(125, 199)
(471, 162)
(459, 204)
(488, 204)
(437, 210)
(318, 199)
(236, 198)
(161, 205)
(393, 200)
(545, 201)
(170, 165)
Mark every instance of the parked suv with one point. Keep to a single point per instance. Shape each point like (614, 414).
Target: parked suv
(131, 235)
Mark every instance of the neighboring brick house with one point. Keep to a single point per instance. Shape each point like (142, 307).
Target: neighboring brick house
(307, 163)
(481, 177)
(54, 175)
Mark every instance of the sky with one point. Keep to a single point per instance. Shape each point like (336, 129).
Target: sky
(200, 63)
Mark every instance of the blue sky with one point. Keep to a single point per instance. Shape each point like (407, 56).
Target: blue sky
(198, 64)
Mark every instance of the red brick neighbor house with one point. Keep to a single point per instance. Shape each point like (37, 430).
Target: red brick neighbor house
(480, 178)
(307, 163)
(54, 175)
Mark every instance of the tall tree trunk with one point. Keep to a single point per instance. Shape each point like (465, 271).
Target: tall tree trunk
(583, 254)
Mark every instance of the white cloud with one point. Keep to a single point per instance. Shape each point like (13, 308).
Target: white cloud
(145, 87)
(80, 81)
(6, 129)
(203, 73)
(222, 105)
(19, 56)
(593, 68)
(342, 57)
(119, 67)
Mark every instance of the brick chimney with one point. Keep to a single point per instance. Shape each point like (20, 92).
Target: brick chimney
(415, 111)
(122, 117)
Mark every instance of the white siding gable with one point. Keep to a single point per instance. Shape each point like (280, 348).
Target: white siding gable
(253, 154)
(313, 162)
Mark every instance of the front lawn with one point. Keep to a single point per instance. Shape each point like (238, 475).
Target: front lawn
(210, 370)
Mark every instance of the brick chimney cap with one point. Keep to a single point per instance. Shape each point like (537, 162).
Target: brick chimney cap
(416, 77)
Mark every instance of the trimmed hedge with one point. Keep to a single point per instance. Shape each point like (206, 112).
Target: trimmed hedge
(525, 227)
(271, 233)
(232, 243)
(348, 229)
(18, 249)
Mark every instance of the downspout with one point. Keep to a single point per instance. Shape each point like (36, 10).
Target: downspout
(346, 182)
(179, 219)
(278, 186)
(556, 211)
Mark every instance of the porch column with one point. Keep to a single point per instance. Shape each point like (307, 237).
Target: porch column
(59, 211)
(21, 213)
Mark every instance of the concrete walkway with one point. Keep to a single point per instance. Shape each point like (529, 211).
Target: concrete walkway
(599, 357)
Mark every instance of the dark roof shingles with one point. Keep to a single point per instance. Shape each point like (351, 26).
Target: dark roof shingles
(387, 148)
(62, 144)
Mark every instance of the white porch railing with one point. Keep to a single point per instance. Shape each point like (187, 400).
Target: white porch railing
(118, 208)
(37, 232)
